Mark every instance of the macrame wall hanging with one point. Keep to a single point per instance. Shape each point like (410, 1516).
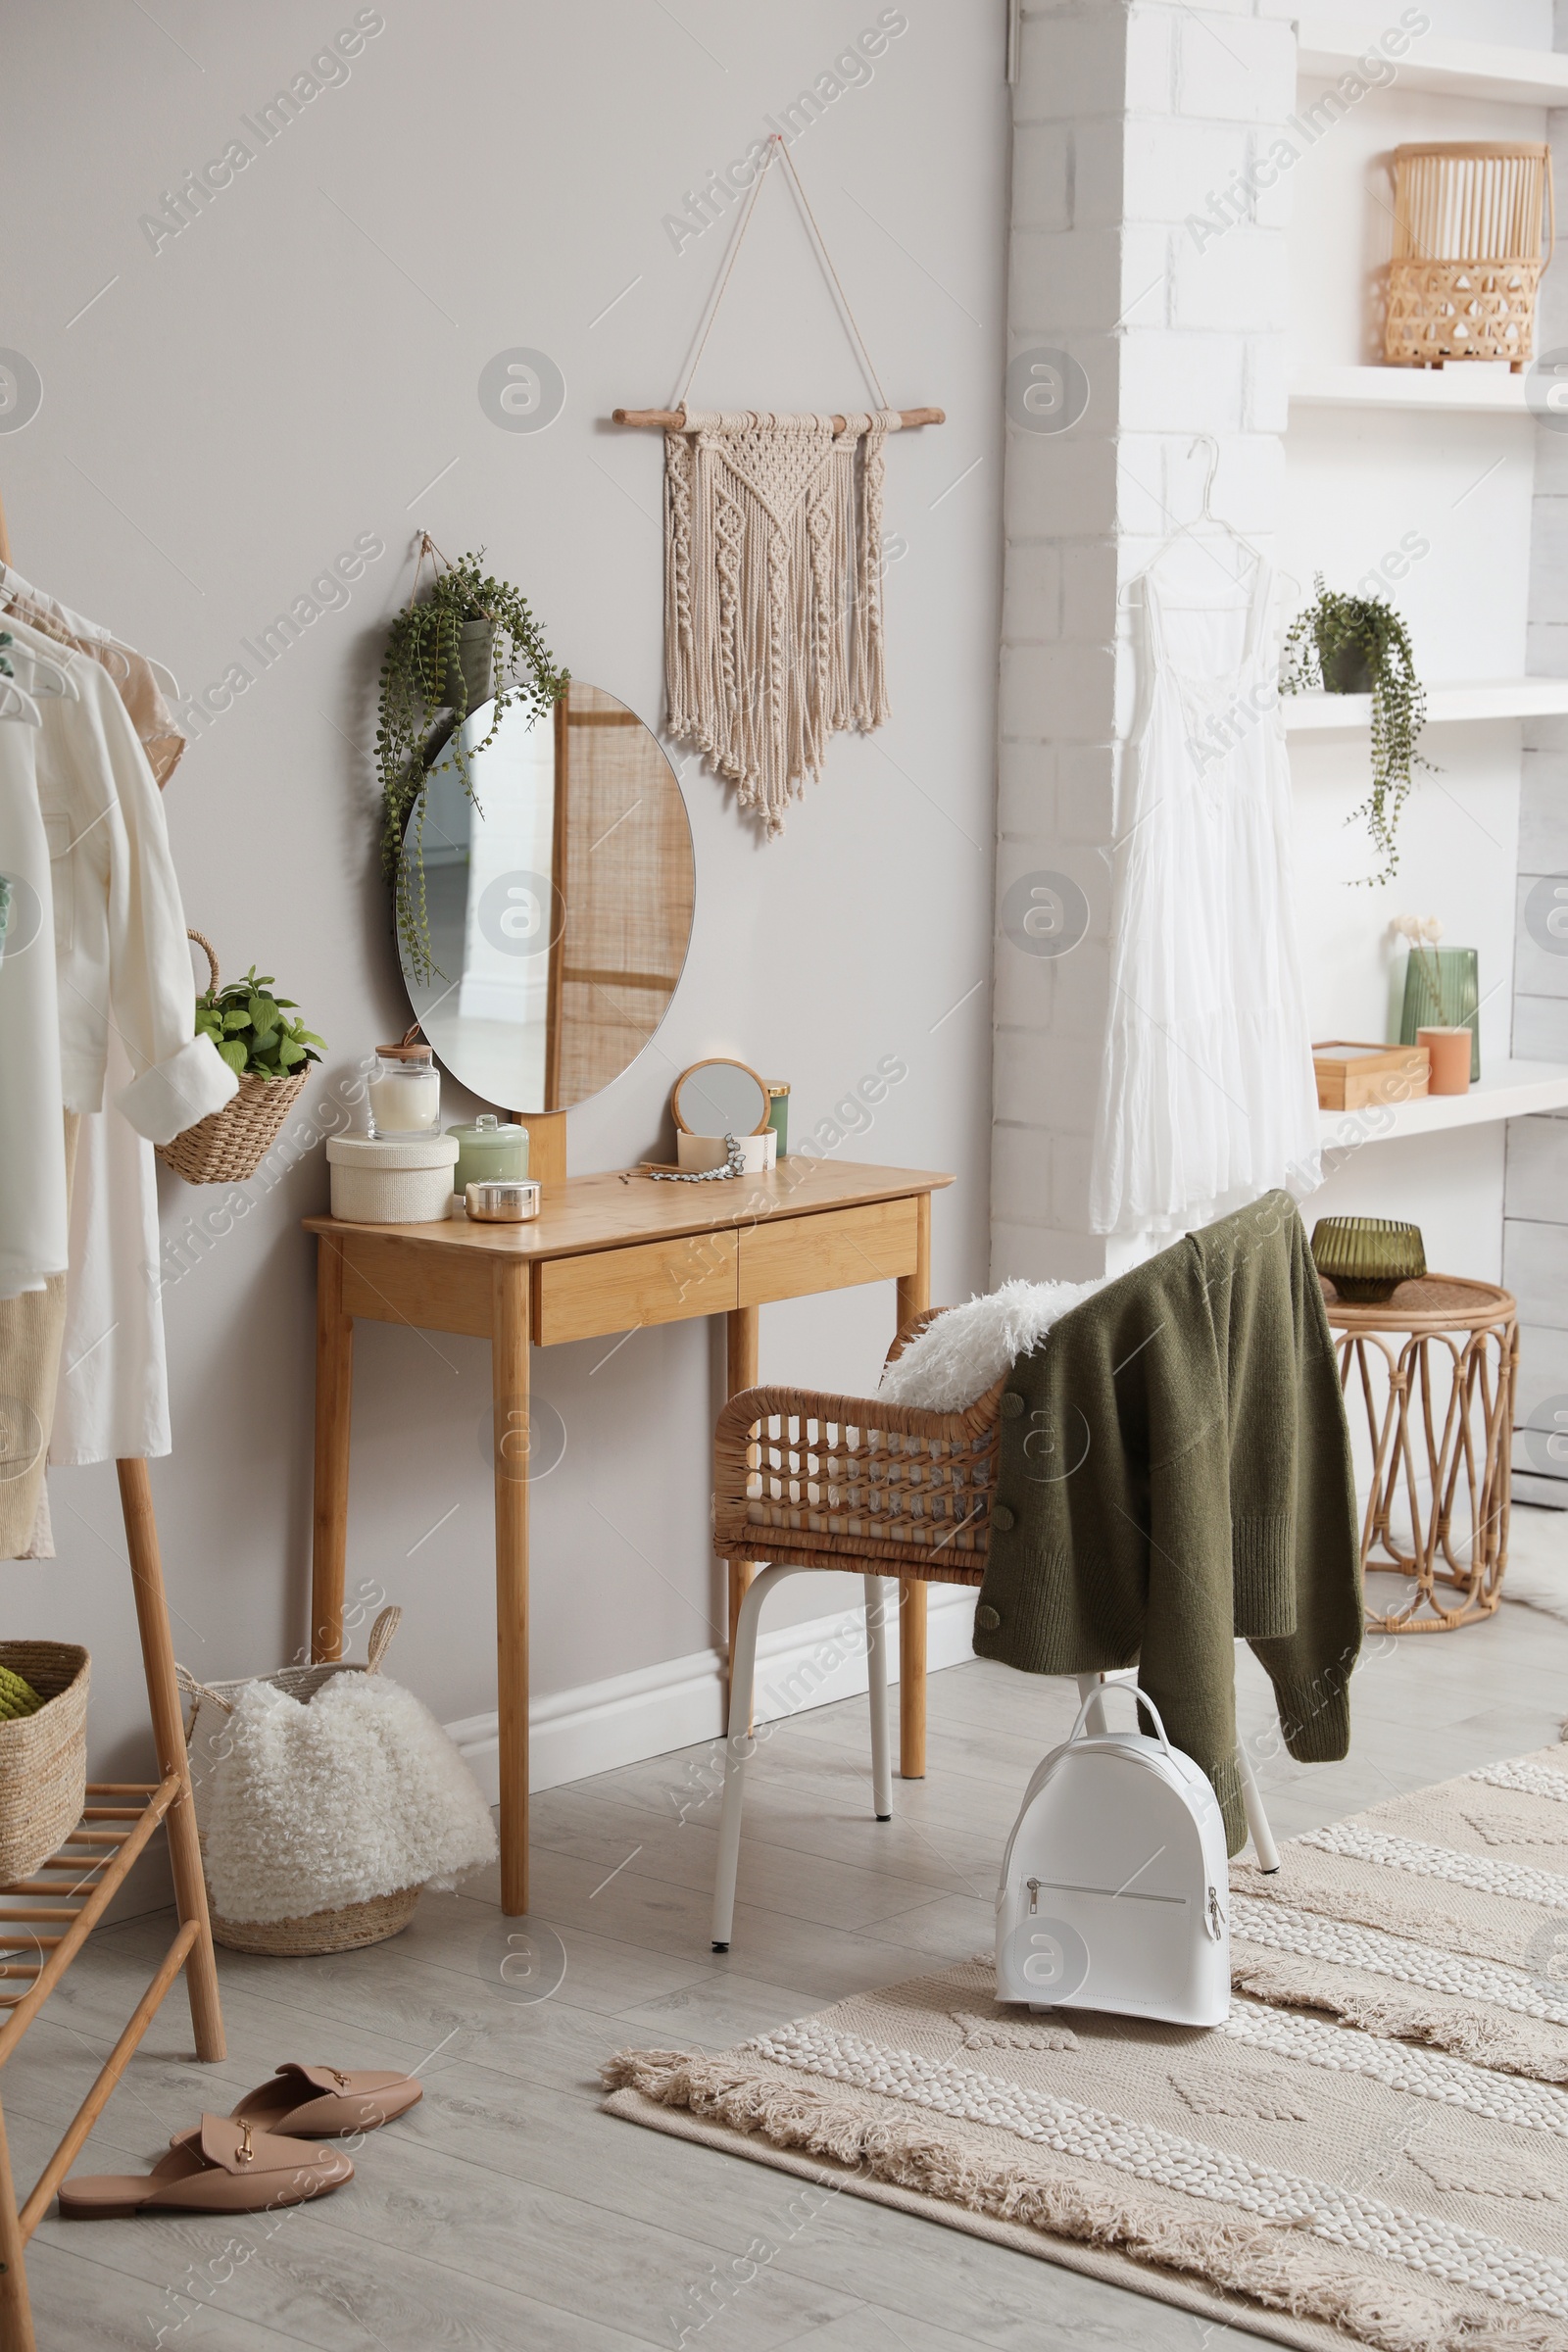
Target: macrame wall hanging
(773, 570)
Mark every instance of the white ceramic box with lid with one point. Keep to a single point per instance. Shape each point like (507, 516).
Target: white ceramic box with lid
(392, 1180)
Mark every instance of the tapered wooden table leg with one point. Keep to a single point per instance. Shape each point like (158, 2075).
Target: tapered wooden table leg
(335, 1397)
(741, 1352)
(915, 1297)
(169, 1734)
(16, 2312)
(509, 1374)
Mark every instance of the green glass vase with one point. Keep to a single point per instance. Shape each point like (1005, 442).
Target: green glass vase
(1442, 990)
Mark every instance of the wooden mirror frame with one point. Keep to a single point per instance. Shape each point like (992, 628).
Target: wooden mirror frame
(731, 1063)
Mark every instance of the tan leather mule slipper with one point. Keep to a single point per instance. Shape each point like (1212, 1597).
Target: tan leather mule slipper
(318, 2102)
(221, 2166)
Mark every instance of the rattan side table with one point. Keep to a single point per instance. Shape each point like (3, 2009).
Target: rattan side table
(1478, 1324)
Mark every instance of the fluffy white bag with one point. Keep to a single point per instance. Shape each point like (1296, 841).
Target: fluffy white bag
(326, 1785)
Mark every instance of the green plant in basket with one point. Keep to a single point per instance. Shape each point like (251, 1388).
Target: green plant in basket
(252, 1030)
(1359, 644)
(472, 637)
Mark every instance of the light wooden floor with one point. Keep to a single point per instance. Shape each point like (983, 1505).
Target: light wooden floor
(507, 2211)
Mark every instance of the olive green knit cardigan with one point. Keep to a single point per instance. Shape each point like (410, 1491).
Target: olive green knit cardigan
(1175, 1471)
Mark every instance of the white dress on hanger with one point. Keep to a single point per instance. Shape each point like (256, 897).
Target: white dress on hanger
(1207, 1097)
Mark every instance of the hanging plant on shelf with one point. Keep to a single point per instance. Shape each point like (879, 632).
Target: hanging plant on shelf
(1359, 644)
(471, 637)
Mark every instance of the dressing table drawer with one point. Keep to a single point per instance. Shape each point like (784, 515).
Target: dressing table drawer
(796, 1256)
(619, 1289)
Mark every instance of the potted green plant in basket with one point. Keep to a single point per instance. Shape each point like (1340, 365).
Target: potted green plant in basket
(269, 1053)
(1359, 644)
(471, 638)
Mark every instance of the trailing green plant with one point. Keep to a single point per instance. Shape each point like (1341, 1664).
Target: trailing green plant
(252, 1030)
(422, 678)
(1335, 635)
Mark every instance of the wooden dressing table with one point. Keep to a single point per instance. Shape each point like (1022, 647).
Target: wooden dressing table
(608, 1254)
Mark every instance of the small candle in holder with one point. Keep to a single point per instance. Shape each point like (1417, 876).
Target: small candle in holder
(405, 1091)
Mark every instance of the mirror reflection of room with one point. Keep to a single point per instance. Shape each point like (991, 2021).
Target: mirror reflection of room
(559, 899)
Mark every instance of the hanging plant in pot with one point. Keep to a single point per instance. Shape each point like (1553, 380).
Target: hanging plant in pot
(1359, 644)
(471, 638)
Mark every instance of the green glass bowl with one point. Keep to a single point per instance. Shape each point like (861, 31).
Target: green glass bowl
(1366, 1258)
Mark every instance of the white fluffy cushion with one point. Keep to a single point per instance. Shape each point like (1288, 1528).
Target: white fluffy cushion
(306, 1806)
(956, 1358)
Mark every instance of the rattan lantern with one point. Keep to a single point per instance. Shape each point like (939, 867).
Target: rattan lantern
(1473, 232)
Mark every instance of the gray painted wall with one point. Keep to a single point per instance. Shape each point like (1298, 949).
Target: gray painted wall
(228, 409)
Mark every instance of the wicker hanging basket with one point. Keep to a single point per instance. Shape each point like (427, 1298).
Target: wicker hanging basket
(44, 1757)
(1473, 230)
(230, 1145)
(354, 1923)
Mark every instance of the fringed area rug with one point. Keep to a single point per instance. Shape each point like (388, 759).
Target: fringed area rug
(1372, 2151)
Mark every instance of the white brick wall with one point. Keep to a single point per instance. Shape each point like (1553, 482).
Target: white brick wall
(1534, 1243)
(1127, 121)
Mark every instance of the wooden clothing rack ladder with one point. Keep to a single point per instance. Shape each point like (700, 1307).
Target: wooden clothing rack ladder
(47, 1918)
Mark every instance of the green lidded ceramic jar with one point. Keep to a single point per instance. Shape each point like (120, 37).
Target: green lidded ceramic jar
(490, 1151)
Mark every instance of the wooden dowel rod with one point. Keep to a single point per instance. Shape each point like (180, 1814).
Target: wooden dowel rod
(114, 1875)
(123, 1788)
(111, 1813)
(14, 1919)
(671, 421)
(115, 2065)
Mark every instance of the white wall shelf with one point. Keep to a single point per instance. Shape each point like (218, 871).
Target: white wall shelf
(1330, 47)
(1483, 698)
(1510, 1091)
(1467, 388)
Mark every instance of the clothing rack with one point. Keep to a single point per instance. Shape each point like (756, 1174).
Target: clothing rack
(117, 1824)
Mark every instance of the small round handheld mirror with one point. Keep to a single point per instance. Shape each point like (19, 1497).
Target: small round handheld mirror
(720, 1098)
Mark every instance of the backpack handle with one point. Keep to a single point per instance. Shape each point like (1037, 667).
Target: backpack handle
(1140, 1698)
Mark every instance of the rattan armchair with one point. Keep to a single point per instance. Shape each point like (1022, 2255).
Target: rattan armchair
(804, 1480)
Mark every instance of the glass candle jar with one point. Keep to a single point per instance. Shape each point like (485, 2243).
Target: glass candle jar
(405, 1091)
(778, 1111)
(490, 1151)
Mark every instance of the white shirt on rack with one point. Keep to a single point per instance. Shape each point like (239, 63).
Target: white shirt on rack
(120, 927)
(32, 1160)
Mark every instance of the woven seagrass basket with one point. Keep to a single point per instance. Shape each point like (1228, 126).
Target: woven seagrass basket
(44, 1757)
(230, 1145)
(1474, 227)
(352, 1925)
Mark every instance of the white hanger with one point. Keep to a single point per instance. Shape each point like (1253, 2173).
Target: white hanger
(1205, 513)
(49, 676)
(16, 704)
(13, 588)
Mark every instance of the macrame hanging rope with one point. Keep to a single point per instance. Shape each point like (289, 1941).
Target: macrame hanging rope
(776, 147)
(774, 567)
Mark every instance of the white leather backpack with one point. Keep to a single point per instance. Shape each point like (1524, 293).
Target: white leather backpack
(1115, 1890)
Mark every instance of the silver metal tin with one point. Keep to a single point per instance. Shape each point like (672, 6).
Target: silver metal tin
(503, 1202)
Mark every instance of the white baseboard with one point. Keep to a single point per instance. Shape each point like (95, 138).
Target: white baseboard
(656, 1708)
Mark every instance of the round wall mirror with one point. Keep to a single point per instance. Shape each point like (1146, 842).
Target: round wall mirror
(720, 1098)
(558, 900)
